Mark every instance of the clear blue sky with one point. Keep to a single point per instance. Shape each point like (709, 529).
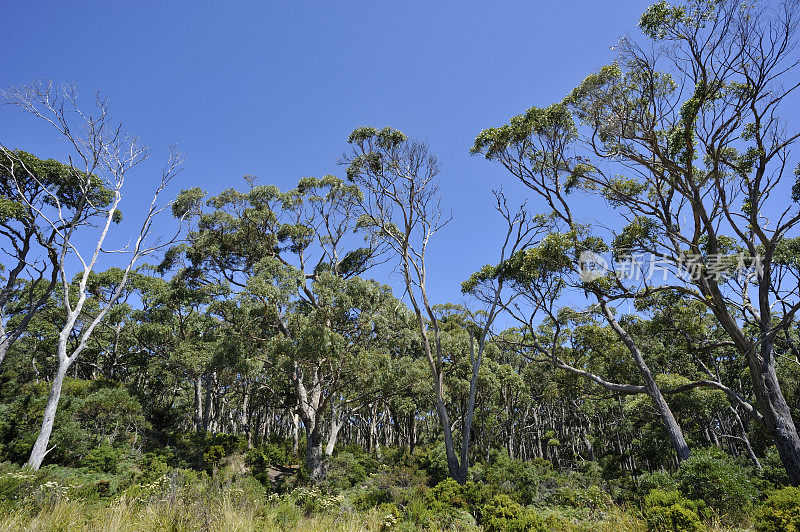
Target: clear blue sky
(272, 89)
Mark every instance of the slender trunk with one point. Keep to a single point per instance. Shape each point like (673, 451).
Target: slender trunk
(664, 411)
(3, 348)
(295, 431)
(589, 447)
(198, 401)
(463, 470)
(373, 428)
(745, 439)
(412, 433)
(378, 439)
(246, 415)
(777, 416)
(40, 449)
(208, 403)
(337, 421)
(453, 467)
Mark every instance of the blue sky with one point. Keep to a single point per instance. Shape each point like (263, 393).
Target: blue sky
(273, 89)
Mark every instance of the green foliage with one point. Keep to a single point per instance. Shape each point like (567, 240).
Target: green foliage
(104, 458)
(516, 478)
(714, 477)
(772, 470)
(669, 511)
(796, 185)
(433, 460)
(780, 512)
(91, 414)
(371, 497)
(660, 19)
(657, 480)
(502, 514)
(212, 458)
(550, 123)
(346, 469)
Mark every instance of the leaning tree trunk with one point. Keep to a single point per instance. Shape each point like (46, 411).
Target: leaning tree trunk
(453, 466)
(40, 449)
(777, 414)
(775, 411)
(664, 411)
(337, 421)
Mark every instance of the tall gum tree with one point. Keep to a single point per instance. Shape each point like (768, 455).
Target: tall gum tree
(101, 158)
(26, 183)
(292, 265)
(684, 138)
(401, 205)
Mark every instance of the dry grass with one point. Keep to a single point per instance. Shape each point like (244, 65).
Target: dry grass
(227, 515)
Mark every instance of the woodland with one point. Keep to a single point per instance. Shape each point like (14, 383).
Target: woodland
(244, 362)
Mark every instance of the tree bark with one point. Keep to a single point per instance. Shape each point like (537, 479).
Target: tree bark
(40, 449)
(664, 411)
(295, 431)
(314, 458)
(198, 404)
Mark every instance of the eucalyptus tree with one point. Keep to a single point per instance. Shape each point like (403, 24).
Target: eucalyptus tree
(101, 159)
(292, 264)
(26, 185)
(684, 138)
(401, 205)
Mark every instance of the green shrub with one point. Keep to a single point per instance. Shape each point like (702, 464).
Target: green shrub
(371, 497)
(447, 493)
(780, 512)
(312, 501)
(716, 478)
(502, 514)
(273, 453)
(16, 485)
(212, 458)
(433, 460)
(345, 470)
(656, 480)
(154, 466)
(516, 478)
(669, 511)
(772, 470)
(103, 459)
(591, 497)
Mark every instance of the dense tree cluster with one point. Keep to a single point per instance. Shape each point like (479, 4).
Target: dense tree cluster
(263, 319)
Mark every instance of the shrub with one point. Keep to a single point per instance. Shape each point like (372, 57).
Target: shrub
(311, 501)
(103, 459)
(212, 458)
(447, 493)
(713, 476)
(591, 497)
(772, 470)
(344, 471)
(518, 479)
(503, 514)
(371, 497)
(154, 466)
(272, 453)
(669, 511)
(780, 512)
(433, 460)
(656, 480)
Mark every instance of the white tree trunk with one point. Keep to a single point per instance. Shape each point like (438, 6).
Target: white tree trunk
(40, 449)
